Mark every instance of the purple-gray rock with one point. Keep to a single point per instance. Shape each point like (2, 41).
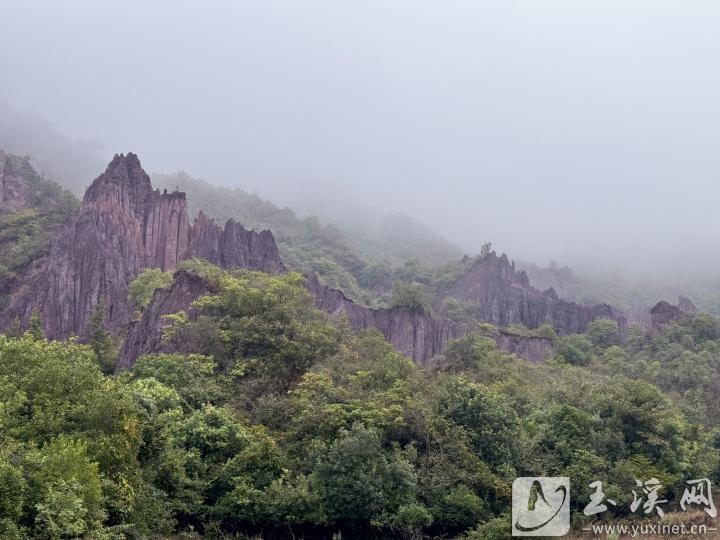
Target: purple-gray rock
(415, 333)
(663, 312)
(13, 191)
(495, 292)
(123, 227)
(411, 332)
(146, 335)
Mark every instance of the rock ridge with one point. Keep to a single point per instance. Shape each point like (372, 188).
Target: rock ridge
(494, 291)
(123, 227)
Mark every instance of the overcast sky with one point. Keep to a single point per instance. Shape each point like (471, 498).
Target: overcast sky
(584, 132)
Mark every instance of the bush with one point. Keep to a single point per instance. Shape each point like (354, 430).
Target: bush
(143, 287)
(604, 333)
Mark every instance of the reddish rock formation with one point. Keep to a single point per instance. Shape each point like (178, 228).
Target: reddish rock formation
(123, 227)
(13, 192)
(145, 336)
(234, 246)
(411, 332)
(495, 292)
(663, 312)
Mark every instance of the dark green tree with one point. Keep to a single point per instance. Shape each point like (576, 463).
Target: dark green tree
(101, 341)
(35, 325)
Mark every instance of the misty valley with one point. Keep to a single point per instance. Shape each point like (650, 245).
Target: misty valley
(384, 269)
(164, 375)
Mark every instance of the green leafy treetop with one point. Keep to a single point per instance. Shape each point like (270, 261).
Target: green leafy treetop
(100, 340)
(35, 325)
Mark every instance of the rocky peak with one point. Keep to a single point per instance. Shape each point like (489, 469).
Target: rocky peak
(123, 227)
(13, 191)
(124, 184)
(664, 312)
(685, 305)
(496, 292)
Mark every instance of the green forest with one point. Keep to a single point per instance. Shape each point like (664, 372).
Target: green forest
(277, 422)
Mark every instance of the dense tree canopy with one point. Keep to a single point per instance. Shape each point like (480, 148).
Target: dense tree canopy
(281, 421)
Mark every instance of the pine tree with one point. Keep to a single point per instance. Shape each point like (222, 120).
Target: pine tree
(100, 340)
(35, 326)
(15, 329)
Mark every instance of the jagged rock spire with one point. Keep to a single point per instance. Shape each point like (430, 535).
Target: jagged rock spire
(123, 227)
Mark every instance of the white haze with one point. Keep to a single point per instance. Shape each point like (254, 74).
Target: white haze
(583, 132)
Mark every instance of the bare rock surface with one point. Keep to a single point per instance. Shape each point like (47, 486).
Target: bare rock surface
(411, 332)
(495, 292)
(123, 227)
(13, 191)
(664, 312)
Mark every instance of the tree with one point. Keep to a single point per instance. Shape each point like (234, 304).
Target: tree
(192, 376)
(486, 249)
(15, 328)
(454, 309)
(143, 287)
(490, 423)
(358, 481)
(575, 349)
(260, 326)
(101, 341)
(704, 326)
(35, 325)
(411, 295)
(603, 333)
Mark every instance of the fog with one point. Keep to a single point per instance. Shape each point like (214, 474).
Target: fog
(584, 133)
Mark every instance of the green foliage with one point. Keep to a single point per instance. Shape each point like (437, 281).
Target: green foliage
(101, 341)
(575, 349)
(358, 480)
(455, 310)
(281, 423)
(35, 325)
(603, 332)
(25, 235)
(191, 376)
(411, 295)
(260, 326)
(143, 287)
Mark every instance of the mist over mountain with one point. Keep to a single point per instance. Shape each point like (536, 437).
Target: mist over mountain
(274, 269)
(559, 132)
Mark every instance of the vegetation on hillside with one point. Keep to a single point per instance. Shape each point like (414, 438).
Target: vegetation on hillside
(279, 421)
(25, 235)
(364, 266)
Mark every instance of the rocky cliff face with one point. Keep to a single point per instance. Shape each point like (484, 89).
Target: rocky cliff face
(663, 312)
(123, 227)
(495, 292)
(146, 335)
(412, 333)
(234, 246)
(13, 191)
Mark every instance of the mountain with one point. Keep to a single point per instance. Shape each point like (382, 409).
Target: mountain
(493, 290)
(358, 261)
(124, 226)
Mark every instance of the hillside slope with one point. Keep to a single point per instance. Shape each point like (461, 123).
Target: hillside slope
(31, 210)
(363, 264)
